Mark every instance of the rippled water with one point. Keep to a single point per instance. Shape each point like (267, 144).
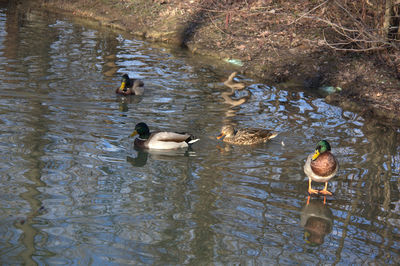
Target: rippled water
(74, 191)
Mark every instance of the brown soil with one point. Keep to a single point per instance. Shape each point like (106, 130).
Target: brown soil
(273, 39)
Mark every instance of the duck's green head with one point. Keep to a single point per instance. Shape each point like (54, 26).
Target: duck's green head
(124, 82)
(142, 130)
(322, 146)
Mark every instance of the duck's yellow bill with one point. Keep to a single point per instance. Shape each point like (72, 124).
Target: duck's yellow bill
(220, 136)
(122, 87)
(316, 154)
(134, 133)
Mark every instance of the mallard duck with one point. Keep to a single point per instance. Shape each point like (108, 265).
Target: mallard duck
(321, 166)
(130, 86)
(245, 136)
(161, 140)
(234, 85)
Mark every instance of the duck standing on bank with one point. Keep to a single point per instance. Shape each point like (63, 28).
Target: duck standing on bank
(245, 136)
(130, 86)
(161, 140)
(321, 166)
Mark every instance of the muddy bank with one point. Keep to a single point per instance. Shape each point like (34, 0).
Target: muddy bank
(270, 40)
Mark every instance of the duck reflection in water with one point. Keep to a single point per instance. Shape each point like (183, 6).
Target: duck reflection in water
(125, 101)
(140, 160)
(234, 86)
(317, 220)
(160, 155)
(123, 104)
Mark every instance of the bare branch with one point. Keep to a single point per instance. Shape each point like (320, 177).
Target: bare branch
(315, 8)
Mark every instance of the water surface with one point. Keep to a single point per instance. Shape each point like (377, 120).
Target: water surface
(74, 190)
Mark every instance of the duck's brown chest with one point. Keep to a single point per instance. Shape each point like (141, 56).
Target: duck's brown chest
(140, 143)
(324, 165)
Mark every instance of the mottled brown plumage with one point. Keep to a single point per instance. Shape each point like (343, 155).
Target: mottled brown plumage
(245, 136)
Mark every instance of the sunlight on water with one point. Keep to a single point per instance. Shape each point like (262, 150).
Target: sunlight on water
(75, 191)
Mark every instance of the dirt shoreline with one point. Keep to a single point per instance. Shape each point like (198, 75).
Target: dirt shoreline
(277, 49)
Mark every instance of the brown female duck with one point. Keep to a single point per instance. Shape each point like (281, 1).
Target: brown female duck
(245, 136)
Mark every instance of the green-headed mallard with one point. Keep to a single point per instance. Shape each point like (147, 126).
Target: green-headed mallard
(245, 136)
(321, 166)
(161, 140)
(130, 86)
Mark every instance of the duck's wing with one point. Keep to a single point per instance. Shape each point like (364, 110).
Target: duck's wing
(134, 83)
(256, 133)
(170, 140)
(138, 90)
(307, 166)
(138, 83)
(170, 136)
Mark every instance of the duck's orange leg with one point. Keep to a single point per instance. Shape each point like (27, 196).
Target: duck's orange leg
(310, 190)
(325, 190)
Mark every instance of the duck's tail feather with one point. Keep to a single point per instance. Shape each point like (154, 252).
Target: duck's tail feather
(273, 135)
(192, 139)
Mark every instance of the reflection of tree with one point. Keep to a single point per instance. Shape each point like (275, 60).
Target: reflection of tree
(108, 45)
(381, 153)
(203, 244)
(375, 188)
(32, 140)
(15, 19)
(381, 187)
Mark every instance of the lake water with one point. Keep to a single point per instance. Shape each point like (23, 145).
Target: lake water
(74, 191)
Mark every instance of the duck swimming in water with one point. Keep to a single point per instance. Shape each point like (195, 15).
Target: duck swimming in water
(130, 86)
(161, 140)
(245, 136)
